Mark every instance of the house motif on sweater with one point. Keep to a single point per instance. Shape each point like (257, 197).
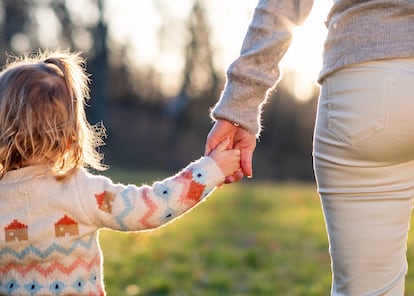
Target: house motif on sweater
(16, 231)
(66, 226)
(105, 201)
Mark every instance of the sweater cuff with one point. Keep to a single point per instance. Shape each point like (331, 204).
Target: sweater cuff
(241, 104)
(213, 176)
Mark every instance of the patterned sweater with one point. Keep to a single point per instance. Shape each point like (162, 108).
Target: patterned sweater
(358, 31)
(49, 245)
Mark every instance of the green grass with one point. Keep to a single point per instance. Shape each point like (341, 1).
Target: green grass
(248, 238)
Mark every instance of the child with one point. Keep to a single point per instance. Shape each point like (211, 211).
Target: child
(51, 207)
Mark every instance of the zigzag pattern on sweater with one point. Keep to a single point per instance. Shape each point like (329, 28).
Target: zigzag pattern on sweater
(53, 248)
(45, 271)
(151, 209)
(192, 193)
(128, 209)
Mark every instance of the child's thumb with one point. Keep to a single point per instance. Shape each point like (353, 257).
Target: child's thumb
(223, 145)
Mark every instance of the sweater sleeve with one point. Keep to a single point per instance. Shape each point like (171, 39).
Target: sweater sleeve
(256, 70)
(134, 208)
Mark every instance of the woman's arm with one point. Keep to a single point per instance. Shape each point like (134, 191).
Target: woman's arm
(256, 70)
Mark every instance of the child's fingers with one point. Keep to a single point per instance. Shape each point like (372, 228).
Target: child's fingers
(232, 154)
(223, 145)
(234, 157)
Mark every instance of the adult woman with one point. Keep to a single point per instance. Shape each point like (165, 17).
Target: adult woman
(364, 134)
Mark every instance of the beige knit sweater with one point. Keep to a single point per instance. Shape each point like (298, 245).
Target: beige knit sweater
(358, 31)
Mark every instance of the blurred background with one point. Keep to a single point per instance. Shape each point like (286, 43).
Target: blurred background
(158, 66)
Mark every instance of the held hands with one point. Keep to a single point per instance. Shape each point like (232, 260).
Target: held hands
(239, 139)
(227, 159)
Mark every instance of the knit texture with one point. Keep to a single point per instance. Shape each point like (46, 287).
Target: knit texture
(49, 243)
(358, 31)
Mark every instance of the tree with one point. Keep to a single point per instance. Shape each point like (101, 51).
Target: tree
(99, 66)
(15, 22)
(200, 81)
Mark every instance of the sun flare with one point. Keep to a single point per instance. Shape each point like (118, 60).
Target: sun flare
(137, 23)
(304, 56)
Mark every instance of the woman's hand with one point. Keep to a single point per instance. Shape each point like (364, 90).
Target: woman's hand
(240, 139)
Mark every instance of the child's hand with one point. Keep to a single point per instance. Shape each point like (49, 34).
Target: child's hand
(227, 159)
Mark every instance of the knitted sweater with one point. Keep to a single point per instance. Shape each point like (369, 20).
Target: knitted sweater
(358, 31)
(49, 245)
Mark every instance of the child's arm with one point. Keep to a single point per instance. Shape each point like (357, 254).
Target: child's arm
(131, 208)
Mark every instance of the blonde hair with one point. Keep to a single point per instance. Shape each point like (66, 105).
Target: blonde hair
(42, 116)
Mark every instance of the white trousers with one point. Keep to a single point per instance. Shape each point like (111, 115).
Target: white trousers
(364, 167)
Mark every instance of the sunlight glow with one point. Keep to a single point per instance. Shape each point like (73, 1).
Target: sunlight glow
(46, 19)
(138, 23)
(304, 56)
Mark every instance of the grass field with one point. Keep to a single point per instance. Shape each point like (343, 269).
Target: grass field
(249, 238)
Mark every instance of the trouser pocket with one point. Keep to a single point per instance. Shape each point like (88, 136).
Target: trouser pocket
(358, 101)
